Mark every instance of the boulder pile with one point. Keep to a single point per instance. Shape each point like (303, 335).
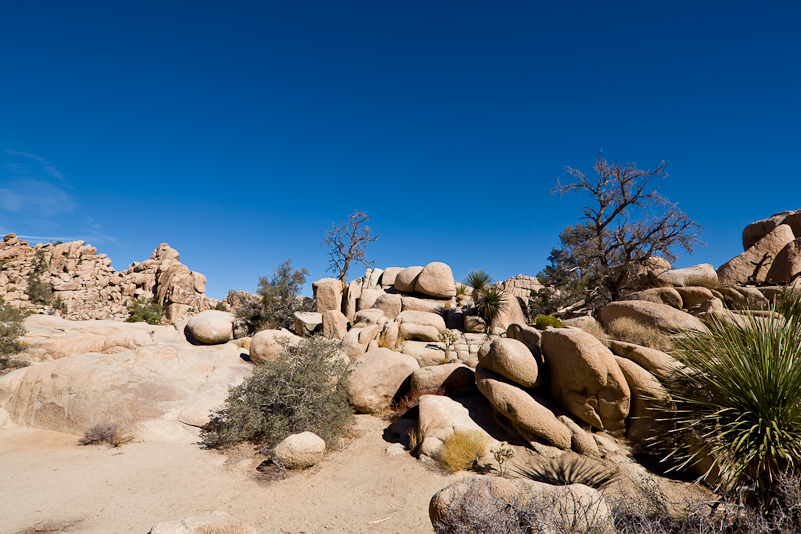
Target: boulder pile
(85, 285)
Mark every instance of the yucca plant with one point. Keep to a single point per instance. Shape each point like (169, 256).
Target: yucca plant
(479, 280)
(491, 302)
(740, 396)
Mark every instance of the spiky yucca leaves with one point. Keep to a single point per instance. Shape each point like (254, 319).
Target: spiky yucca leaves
(740, 395)
(479, 280)
(491, 303)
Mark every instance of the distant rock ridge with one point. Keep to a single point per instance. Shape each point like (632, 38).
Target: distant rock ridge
(86, 286)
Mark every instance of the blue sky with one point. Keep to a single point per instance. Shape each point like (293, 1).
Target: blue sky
(238, 132)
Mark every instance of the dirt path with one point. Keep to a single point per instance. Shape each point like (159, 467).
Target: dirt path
(48, 480)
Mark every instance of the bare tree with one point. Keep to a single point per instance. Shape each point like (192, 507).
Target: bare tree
(347, 241)
(627, 223)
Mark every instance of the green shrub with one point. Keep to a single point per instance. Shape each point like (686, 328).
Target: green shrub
(145, 310)
(278, 302)
(544, 321)
(39, 292)
(11, 330)
(302, 390)
(461, 450)
(740, 396)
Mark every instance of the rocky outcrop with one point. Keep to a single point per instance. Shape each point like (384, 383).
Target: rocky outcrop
(161, 387)
(85, 285)
(759, 229)
(376, 377)
(753, 265)
(661, 316)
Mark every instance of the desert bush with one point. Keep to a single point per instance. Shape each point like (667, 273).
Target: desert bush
(39, 292)
(481, 511)
(544, 321)
(108, 433)
(629, 330)
(145, 310)
(491, 303)
(278, 300)
(461, 291)
(462, 449)
(11, 330)
(740, 396)
(303, 389)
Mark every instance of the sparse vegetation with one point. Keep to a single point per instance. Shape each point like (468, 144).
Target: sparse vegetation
(502, 453)
(11, 330)
(544, 321)
(627, 223)
(449, 339)
(145, 310)
(279, 300)
(303, 389)
(109, 433)
(39, 292)
(462, 449)
(631, 331)
(346, 243)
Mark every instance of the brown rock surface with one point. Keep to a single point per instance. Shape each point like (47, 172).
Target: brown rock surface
(376, 377)
(752, 266)
(667, 319)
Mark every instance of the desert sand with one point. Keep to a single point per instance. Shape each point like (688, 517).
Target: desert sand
(50, 483)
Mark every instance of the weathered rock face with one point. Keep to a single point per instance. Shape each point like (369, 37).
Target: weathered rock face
(753, 265)
(162, 389)
(649, 404)
(661, 316)
(267, 344)
(586, 379)
(529, 415)
(523, 287)
(787, 264)
(439, 418)
(328, 294)
(759, 229)
(88, 287)
(376, 377)
(698, 275)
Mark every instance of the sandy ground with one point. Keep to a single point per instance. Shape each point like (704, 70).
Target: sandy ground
(49, 483)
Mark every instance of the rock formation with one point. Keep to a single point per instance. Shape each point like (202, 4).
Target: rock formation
(86, 286)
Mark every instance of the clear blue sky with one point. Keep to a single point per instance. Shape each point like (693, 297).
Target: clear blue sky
(237, 132)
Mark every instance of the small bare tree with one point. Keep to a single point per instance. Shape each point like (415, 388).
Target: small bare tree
(627, 223)
(347, 241)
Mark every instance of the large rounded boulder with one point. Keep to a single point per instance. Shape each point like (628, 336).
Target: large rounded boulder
(300, 451)
(268, 345)
(512, 359)
(376, 377)
(586, 379)
(661, 316)
(212, 327)
(436, 280)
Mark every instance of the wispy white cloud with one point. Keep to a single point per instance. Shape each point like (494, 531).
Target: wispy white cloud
(45, 165)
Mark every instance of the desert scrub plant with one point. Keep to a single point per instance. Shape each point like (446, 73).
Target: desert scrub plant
(11, 330)
(461, 450)
(629, 330)
(109, 433)
(303, 389)
(145, 310)
(502, 453)
(491, 303)
(544, 321)
(740, 396)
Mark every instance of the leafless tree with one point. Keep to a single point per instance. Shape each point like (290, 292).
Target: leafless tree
(347, 241)
(627, 223)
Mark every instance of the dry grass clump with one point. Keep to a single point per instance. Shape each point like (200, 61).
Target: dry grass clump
(629, 330)
(108, 433)
(462, 449)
